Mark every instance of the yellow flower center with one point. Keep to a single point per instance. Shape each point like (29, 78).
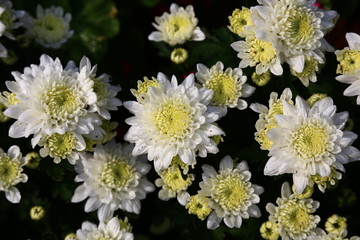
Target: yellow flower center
(173, 119)
(9, 171)
(199, 206)
(294, 217)
(224, 87)
(116, 175)
(177, 27)
(231, 192)
(310, 140)
(174, 180)
(61, 145)
(50, 28)
(349, 61)
(299, 26)
(62, 102)
(261, 51)
(12, 99)
(239, 19)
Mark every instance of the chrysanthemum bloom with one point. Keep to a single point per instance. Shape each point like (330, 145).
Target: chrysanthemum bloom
(335, 224)
(199, 206)
(172, 120)
(52, 100)
(269, 230)
(228, 85)
(8, 22)
(50, 28)
(259, 53)
(105, 230)
(308, 141)
(294, 217)
(296, 29)
(231, 195)
(349, 66)
(267, 119)
(239, 19)
(174, 183)
(11, 173)
(331, 236)
(105, 92)
(113, 179)
(308, 74)
(177, 27)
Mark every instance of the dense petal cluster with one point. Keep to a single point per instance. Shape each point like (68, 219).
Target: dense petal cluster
(173, 119)
(110, 229)
(112, 179)
(230, 194)
(11, 164)
(59, 106)
(8, 21)
(309, 140)
(177, 27)
(228, 85)
(293, 217)
(50, 28)
(349, 66)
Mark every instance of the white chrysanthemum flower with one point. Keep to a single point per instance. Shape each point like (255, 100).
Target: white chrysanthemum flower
(296, 29)
(231, 195)
(294, 217)
(256, 52)
(267, 119)
(308, 141)
(174, 182)
(62, 146)
(172, 120)
(177, 27)
(111, 229)
(349, 66)
(105, 92)
(239, 20)
(228, 86)
(11, 173)
(50, 28)
(8, 22)
(51, 100)
(113, 179)
(308, 74)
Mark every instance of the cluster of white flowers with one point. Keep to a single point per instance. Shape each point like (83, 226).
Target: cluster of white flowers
(278, 31)
(60, 107)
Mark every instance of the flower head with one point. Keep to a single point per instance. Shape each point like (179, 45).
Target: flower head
(228, 86)
(269, 230)
(295, 28)
(199, 206)
(308, 141)
(177, 27)
(267, 118)
(110, 229)
(349, 65)
(8, 22)
(52, 99)
(239, 19)
(37, 213)
(50, 28)
(231, 195)
(179, 55)
(335, 224)
(173, 182)
(112, 179)
(294, 217)
(173, 120)
(11, 164)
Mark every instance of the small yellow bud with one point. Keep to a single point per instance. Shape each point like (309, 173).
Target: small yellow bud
(179, 55)
(335, 224)
(269, 230)
(261, 79)
(71, 236)
(37, 213)
(32, 160)
(199, 206)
